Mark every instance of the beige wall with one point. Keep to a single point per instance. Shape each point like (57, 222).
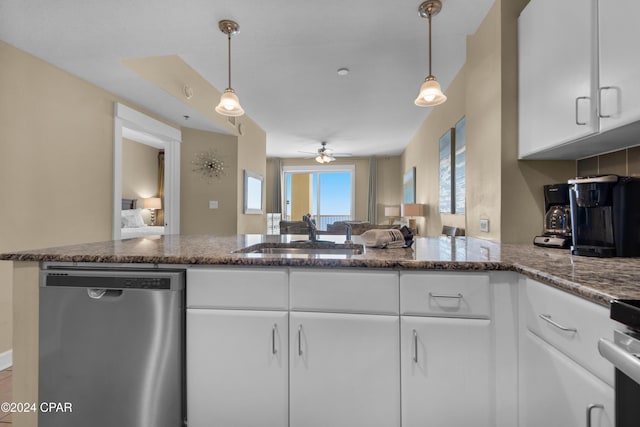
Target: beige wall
(56, 145)
(388, 184)
(196, 192)
(139, 170)
(252, 156)
(499, 188)
(301, 201)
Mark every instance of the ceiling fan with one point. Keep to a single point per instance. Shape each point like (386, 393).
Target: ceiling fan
(325, 155)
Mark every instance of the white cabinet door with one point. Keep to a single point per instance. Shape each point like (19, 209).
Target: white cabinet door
(557, 73)
(345, 370)
(619, 62)
(447, 373)
(237, 368)
(556, 391)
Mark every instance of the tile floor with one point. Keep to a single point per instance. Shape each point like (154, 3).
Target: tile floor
(5, 395)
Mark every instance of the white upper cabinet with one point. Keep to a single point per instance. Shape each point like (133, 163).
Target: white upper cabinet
(619, 62)
(578, 91)
(557, 70)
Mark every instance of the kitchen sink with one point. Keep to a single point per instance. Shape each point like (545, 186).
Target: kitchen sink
(304, 248)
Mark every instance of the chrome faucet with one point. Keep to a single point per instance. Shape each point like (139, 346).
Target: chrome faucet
(348, 233)
(313, 231)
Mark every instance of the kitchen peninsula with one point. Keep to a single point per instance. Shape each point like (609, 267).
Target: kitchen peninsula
(492, 277)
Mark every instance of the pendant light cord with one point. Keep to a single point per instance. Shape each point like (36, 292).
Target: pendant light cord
(429, 18)
(229, 57)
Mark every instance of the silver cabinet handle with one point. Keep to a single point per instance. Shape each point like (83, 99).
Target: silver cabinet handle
(415, 346)
(300, 340)
(603, 88)
(590, 408)
(456, 296)
(274, 350)
(578, 99)
(547, 318)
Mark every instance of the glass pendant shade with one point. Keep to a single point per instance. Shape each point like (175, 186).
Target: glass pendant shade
(323, 158)
(229, 104)
(430, 93)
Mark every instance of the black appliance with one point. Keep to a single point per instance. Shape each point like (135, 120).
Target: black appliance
(557, 220)
(605, 216)
(624, 353)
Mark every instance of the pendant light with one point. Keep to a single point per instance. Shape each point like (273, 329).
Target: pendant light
(229, 103)
(430, 93)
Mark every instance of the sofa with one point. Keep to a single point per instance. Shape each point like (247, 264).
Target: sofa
(338, 227)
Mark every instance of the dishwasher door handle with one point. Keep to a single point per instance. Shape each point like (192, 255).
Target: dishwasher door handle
(623, 360)
(98, 293)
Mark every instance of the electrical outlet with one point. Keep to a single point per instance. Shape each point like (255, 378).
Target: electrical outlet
(213, 204)
(484, 225)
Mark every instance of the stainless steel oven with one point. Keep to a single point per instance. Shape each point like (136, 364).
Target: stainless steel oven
(624, 353)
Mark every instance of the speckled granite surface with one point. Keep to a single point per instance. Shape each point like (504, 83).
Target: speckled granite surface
(599, 280)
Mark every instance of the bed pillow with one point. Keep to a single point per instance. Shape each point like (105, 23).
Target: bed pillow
(131, 218)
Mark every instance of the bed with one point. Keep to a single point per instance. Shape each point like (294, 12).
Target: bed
(132, 224)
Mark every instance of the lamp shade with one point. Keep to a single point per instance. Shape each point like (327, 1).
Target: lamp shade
(412, 209)
(430, 93)
(392, 211)
(229, 104)
(153, 203)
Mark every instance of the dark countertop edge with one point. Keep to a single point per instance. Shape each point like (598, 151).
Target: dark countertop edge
(583, 291)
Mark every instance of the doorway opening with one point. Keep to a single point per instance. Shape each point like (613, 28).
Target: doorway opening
(133, 125)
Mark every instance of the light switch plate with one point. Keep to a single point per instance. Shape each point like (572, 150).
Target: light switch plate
(484, 225)
(213, 204)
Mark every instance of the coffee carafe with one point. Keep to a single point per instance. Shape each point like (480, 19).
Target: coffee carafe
(557, 219)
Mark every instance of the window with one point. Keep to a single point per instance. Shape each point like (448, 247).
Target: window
(326, 192)
(453, 169)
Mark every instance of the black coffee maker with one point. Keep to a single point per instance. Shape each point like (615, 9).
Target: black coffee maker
(605, 216)
(557, 219)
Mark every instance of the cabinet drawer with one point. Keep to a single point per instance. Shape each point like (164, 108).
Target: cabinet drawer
(344, 291)
(577, 325)
(445, 294)
(261, 289)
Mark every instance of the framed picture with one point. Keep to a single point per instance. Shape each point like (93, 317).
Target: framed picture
(445, 187)
(253, 193)
(409, 186)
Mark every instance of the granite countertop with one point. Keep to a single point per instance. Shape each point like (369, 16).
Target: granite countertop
(597, 279)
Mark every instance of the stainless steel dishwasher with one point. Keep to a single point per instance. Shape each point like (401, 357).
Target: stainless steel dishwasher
(111, 347)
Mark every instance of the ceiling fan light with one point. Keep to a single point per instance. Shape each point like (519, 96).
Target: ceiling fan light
(229, 104)
(430, 93)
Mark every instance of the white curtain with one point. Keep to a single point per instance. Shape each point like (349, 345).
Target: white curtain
(373, 201)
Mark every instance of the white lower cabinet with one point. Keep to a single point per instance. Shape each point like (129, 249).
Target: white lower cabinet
(305, 348)
(556, 391)
(446, 372)
(237, 368)
(344, 370)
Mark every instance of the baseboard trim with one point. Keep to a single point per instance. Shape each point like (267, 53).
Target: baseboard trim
(6, 360)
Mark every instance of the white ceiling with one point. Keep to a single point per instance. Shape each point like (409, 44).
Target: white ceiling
(284, 60)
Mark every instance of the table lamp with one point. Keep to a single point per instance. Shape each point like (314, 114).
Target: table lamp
(411, 210)
(392, 212)
(153, 203)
